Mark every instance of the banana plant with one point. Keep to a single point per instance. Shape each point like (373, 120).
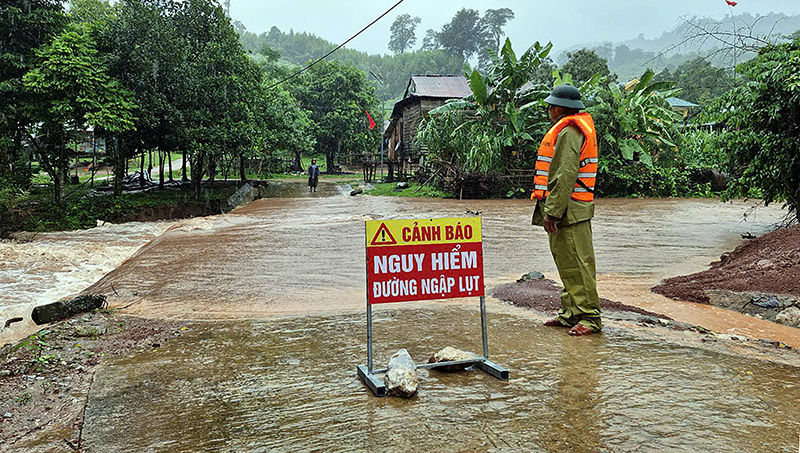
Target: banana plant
(637, 121)
(497, 114)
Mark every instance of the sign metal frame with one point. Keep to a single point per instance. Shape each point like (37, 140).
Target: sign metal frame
(369, 375)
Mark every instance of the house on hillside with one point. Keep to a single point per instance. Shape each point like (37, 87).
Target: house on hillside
(680, 106)
(423, 93)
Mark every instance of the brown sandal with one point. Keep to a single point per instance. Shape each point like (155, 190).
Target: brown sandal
(553, 323)
(580, 329)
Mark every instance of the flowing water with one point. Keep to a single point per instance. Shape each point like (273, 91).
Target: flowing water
(273, 295)
(45, 267)
(291, 385)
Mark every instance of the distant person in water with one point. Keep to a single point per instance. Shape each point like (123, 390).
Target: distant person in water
(313, 176)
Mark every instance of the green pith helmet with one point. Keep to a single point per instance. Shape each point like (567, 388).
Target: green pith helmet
(565, 96)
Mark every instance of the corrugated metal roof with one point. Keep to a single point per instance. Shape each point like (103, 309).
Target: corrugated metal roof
(676, 102)
(438, 86)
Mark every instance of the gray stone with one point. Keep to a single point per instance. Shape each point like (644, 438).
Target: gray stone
(789, 316)
(7, 415)
(242, 196)
(402, 185)
(531, 276)
(451, 354)
(401, 375)
(355, 192)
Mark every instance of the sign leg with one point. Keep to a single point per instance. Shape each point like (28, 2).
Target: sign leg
(484, 335)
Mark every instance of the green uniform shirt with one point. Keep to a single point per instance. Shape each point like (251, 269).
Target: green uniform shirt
(561, 180)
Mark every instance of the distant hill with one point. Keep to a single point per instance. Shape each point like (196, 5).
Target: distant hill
(630, 58)
(390, 73)
(627, 59)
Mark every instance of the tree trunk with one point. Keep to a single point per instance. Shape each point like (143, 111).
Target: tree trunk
(185, 163)
(242, 177)
(150, 165)
(141, 169)
(160, 169)
(212, 170)
(120, 168)
(169, 164)
(197, 173)
(299, 160)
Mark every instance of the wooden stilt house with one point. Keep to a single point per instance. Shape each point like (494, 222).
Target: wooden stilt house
(423, 93)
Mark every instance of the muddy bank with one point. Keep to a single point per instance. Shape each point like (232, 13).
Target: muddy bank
(760, 277)
(45, 379)
(184, 210)
(544, 295)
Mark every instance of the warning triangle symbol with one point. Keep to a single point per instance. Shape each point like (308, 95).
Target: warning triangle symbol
(383, 236)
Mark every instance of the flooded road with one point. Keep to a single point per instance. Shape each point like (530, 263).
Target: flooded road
(291, 385)
(272, 295)
(293, 256)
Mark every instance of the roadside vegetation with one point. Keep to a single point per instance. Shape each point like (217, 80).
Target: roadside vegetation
(172, 94)
(413, 189)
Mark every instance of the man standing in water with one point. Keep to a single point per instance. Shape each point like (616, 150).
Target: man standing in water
(566, 168)
(313, 176)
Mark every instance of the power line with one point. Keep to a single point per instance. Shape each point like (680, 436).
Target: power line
(335, 49)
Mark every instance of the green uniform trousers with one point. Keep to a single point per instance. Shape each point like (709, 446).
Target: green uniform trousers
(573, 253)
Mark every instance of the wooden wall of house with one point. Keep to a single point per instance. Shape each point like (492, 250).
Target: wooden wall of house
(412, 117)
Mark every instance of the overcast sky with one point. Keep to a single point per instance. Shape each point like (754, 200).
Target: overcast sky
(565, 23)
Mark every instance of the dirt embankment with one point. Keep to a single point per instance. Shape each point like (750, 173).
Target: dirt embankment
(45, 379)
(761, 277)
(767, 264)
(544, 295)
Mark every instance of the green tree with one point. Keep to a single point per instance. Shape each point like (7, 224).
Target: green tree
(584, 64)
(431, 40)
(699, 81)
(495, 20)
(25, 25)
(71, 88)
(337, 94)
(91, 11)
(763, 119)
(291, 133)
(403, 33)
(505, 115)
(465, 35)
(218, 80)
(637, 132)
(147, 53)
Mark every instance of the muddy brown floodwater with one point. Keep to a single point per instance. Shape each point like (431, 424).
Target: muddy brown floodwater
(291, 385)
(273, 298)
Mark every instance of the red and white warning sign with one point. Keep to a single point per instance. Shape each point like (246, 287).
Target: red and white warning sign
(421, 259)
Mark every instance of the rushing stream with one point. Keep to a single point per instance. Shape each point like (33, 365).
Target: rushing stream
(273, 298)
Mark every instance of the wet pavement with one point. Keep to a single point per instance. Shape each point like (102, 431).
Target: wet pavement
(291, 385)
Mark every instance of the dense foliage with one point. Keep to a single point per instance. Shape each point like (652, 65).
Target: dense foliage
(157, 79)
(492, 130)
(763, 121)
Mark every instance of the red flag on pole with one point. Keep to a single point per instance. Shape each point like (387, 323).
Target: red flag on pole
(371, 121)
(731, 3)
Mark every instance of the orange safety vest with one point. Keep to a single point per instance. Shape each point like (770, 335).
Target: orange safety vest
(587, 173)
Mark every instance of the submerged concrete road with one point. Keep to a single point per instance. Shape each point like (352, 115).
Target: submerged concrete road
(305, 255)
(272, 296)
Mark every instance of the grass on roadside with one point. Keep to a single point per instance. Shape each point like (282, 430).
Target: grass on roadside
(413, 190)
